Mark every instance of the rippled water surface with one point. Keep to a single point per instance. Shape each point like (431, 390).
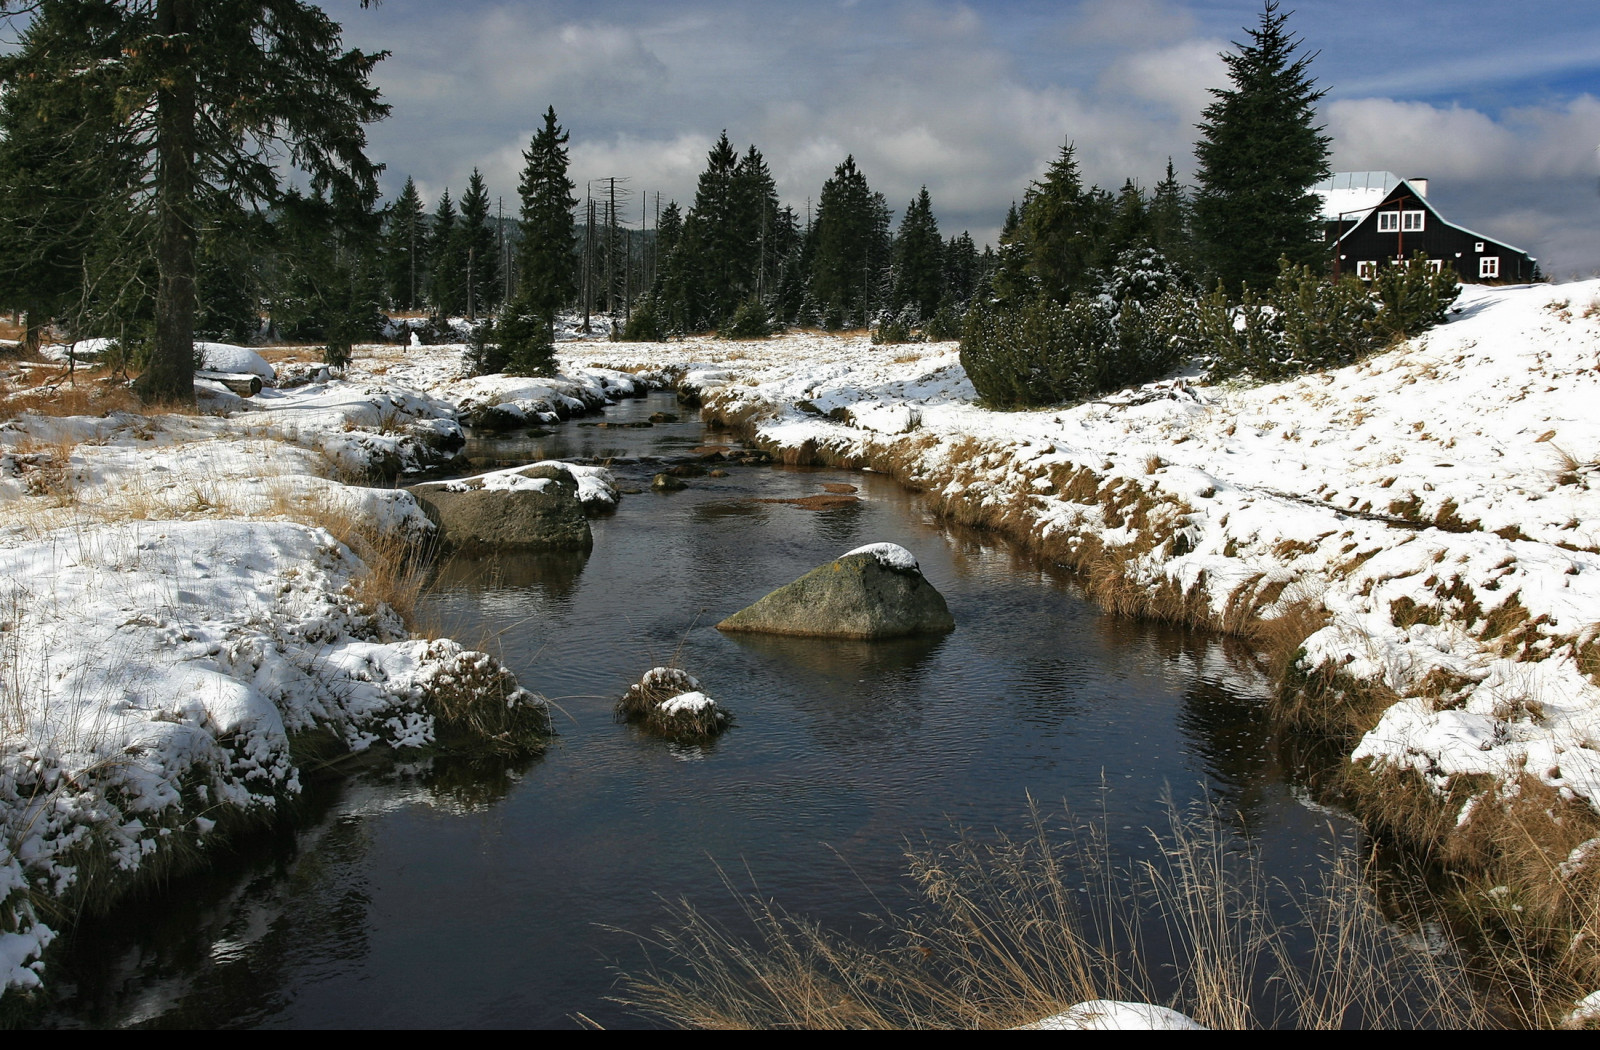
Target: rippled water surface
(460, 895)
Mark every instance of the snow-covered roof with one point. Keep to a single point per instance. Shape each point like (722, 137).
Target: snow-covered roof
(1353, 194)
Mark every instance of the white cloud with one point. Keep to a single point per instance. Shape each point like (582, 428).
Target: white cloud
(971, 101)
(1179, 77)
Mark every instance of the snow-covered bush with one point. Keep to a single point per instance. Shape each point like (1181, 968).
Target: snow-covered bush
(945, 323)
(1045, 352)
(644, 325)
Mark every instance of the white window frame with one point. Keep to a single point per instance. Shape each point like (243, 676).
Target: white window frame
(1388, 222)
(1489, 267)
(1412, 221)
(1435, 265)
(1367, 269)
(1478, 247)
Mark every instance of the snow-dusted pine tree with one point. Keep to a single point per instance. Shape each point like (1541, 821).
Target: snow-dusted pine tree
(1260, 152)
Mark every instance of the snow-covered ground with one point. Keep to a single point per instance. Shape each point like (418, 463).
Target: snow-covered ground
(177, 596)
(1436, 502)
(184, 596)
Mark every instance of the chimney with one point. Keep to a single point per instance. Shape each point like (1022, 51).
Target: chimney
(1421, 186)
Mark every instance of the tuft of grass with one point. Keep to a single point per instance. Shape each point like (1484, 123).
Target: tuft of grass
(477, 705)
(657, 704)
(1006, 931)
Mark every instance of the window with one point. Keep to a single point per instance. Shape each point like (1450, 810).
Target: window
(1435, 265)
(1478, 247)
(1400, 221)
(1489, 266)
(1366, 270)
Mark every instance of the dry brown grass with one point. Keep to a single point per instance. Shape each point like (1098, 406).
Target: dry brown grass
(1007, 931)
(1517, 864)
(52, 394)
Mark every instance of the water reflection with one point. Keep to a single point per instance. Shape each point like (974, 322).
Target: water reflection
(885, 663)
(554, 574)
(454, 893)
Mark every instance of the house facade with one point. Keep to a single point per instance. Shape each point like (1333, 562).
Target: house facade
(1374, 217)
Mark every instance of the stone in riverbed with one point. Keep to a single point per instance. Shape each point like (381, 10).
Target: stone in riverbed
(876, 591)
(536, 508)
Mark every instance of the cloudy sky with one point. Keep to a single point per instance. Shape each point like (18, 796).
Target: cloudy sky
(1497, 103)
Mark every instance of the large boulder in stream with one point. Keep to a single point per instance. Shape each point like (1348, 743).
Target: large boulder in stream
(528, 508)
(876, 591)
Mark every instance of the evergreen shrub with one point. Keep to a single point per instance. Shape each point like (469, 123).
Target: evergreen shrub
(644, 325)
(517, 343)
(896, 328)
(1307, 322)
(749, 321)
(1139, 324)
(1412, 298)
(1320, 323)
(1039, 354)
(945, 323)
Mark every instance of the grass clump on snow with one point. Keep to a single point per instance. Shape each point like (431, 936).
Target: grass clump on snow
(1004, 933)
(669, 702)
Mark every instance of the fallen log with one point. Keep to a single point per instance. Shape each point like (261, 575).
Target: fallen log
(242, 383)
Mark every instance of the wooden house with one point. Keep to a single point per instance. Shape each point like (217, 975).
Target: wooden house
(1374, 217)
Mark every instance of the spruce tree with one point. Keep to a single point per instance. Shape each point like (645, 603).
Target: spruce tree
(1007, 269)
(62, 169)
(212, 98)
(447, 277)
(1129, 228)
(1259, 154)
(851, 250)
(1170, 222)
(918, 260)
(327, 282)
(711, 252)
(960, 269)
(477, 249)
(547, 273)
(406, 249)
(1060, 229)
(755, 235)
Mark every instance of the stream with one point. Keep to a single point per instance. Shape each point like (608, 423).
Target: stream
(447, 893)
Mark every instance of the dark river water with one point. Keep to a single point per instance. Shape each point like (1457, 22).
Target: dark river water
(461, 895)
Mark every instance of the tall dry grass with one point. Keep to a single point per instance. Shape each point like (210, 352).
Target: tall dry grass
(1008, 931)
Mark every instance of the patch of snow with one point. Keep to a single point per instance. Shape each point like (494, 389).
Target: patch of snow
(225, 357)
(687, 703)
(1112, 1015)
(890, 556)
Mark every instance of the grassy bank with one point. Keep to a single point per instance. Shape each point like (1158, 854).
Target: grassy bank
(1430, 622)
(195, 618)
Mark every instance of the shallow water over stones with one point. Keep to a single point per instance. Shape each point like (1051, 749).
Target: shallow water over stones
(458, 894)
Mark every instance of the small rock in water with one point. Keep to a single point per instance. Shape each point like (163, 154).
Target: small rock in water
(667, 483)
(876, 591)
(670, 702)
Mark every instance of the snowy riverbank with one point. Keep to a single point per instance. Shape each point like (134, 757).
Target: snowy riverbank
(193, 608)
(1432, 508)
(189, 599)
